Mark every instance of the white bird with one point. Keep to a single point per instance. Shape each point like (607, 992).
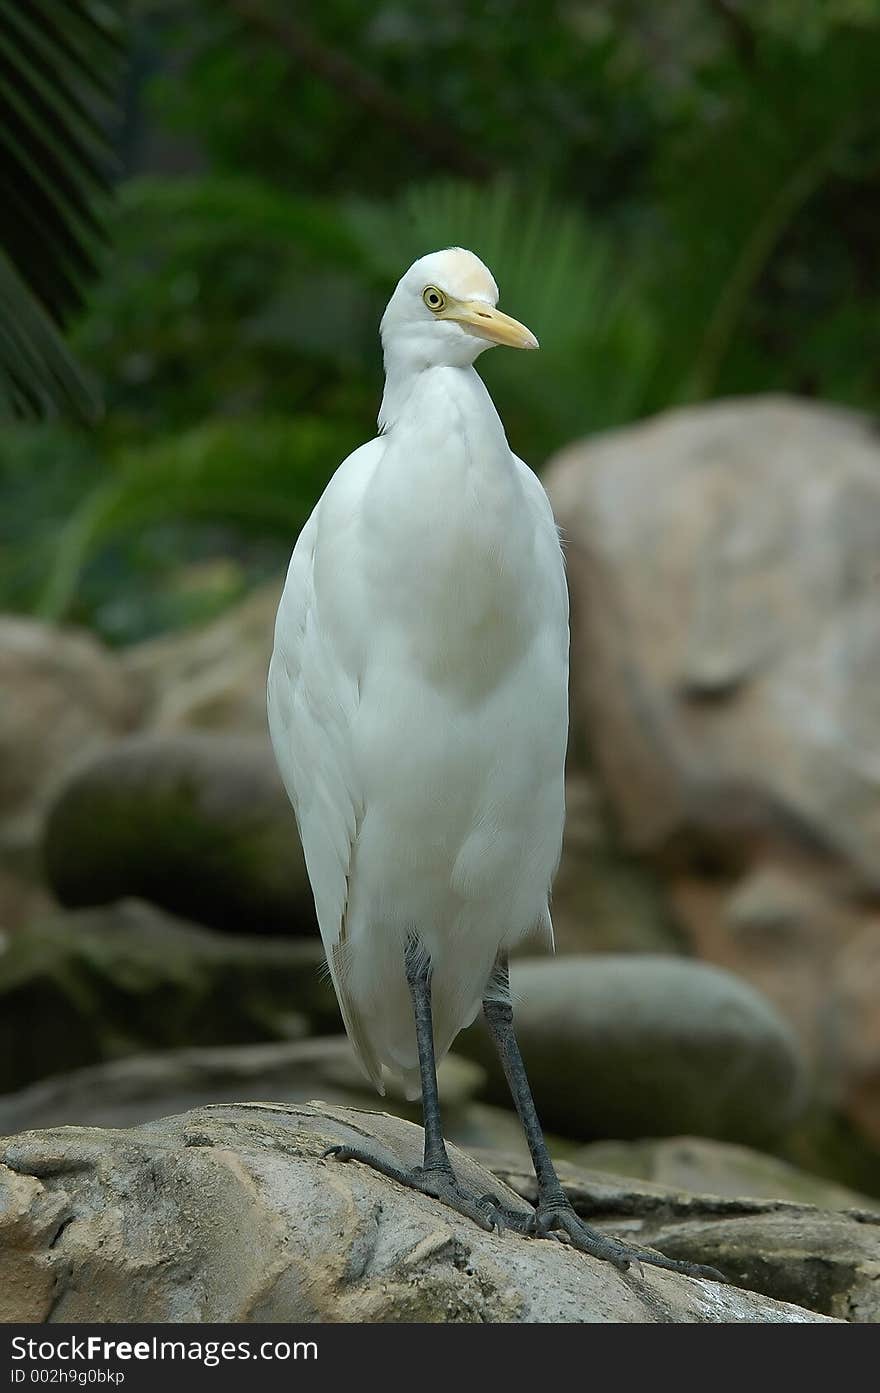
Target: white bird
(418, 710)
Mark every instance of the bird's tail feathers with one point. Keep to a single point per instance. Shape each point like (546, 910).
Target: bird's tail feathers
(353, 1024)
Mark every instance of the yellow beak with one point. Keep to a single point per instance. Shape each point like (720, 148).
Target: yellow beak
(488, 323)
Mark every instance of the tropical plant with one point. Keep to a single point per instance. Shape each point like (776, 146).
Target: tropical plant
(59, 72)
(681, 201)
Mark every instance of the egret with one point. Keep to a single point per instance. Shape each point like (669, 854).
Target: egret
(418, 709)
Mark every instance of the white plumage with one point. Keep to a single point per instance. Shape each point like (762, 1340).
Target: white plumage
(418, 687)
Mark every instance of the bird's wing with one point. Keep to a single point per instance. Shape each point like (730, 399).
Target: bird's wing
(554, 599)
(312, 699)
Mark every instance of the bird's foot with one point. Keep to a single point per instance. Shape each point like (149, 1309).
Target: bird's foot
(437, 1181)
(557, 1217)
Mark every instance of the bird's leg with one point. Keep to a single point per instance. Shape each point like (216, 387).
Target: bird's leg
(435, 1176)
(418, 976)
(555, 1211)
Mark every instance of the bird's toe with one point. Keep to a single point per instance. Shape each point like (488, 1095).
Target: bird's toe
(561, 1221)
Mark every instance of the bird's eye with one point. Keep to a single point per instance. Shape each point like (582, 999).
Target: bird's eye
(434, 298)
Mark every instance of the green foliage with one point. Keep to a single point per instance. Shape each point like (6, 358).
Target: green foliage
(226, 295)
(559, 274)
(259, 473)
(232, 296)
(346, 97)
(681, 201)
(59, 64)
(793, 132)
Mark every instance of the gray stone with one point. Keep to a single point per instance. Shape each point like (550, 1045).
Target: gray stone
(722, 561)
(230, 1214)
(139, 1088)
(640, 1045)
(723, 567)
(828, 1262)
(605, 900)
(81, 987)
(717, 1168)
(197, 823)
(213, 677)
(62, 696)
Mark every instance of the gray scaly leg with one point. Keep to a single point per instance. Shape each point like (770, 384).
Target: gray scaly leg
(555, 1211)
(435, 1176)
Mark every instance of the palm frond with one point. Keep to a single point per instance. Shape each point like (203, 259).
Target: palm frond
(59, 63)
(734, 186)
(37, 371)
(261, 474)
(558, 273)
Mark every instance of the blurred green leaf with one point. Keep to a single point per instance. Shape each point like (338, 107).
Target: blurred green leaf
(37, 371)
(260, 473)
(681, 201)
(558, 272)
(58, 64)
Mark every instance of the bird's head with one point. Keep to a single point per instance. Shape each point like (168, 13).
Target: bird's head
(443, 311)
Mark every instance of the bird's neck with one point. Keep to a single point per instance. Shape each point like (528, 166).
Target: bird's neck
(405, 373)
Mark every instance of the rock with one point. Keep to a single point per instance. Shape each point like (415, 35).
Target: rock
(64, 696)
(722, 563)
(828, 1262)
(21, 900)
(197, 823)
(816, 955)
(640, 1045)
(99, 984)
(780, 928)
(715, 1168)
(723, 567)
(213, 677)
(855, 1022)
(139, 1088)
(230, 1214)
(604, 899)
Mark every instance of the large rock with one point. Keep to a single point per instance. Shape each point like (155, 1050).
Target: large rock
(214, 677)
(62, 696)
(142, 1087)
(827, 1261)
(97, 984)
(779, 926)
(723, 568)
(605, 900)
(198, 823)
(641, 1045)
(715, 1168)
(230, 1214)
(816, 954)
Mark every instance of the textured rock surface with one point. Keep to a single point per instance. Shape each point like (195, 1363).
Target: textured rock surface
(604, 899)
(140, 1088)
(639, 1045)
(197, 823)
(777, 925)
(723, 568)
(827, 1261)
(816, 954)
(229, 1214)
(103, 983)
(723, 564)
(716, 1168)
(62, 695)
